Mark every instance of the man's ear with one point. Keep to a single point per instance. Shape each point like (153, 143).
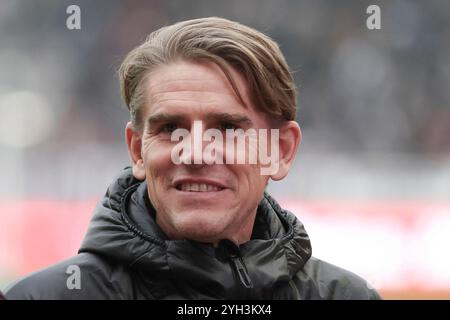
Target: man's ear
(134, 143)
(290, 137)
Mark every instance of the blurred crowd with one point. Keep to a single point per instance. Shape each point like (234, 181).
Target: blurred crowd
(363, 94)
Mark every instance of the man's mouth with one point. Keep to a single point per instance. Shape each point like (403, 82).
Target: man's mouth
(198, 187)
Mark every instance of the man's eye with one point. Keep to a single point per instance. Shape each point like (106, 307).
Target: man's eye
(226, 125)
(168, 128)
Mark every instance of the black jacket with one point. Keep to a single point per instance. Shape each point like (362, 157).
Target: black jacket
(125, 255)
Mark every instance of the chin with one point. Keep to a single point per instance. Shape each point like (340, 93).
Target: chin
(203, 229)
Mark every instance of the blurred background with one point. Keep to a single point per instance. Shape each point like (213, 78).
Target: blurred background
(371, 181)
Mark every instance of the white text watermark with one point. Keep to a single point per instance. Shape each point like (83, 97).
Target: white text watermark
(236, 146)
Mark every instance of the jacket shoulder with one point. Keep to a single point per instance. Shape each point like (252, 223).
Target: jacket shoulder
(322, 280)
(84, 276)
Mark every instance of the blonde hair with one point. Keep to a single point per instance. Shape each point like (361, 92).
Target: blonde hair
(226, 43)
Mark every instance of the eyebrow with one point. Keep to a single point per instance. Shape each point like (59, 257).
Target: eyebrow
(229, 117)
(235, 118)
(163, 117)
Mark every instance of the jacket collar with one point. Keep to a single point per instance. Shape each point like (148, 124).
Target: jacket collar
(123, 228)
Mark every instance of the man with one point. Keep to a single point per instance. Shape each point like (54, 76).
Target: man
(179, 226)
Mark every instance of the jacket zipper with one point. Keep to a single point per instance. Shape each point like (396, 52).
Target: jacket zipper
(241, 271)
(234, 254)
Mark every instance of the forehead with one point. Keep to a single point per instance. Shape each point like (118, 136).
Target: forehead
(194, 84)
(192, 75)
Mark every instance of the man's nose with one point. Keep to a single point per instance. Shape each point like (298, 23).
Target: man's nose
(202, 152)
(193, 151)
(197, 129)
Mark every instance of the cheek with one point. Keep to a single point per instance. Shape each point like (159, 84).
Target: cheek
(250, 180)
(156, 159)
(157, 166)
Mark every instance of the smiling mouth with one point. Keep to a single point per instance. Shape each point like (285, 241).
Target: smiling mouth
(198, 187)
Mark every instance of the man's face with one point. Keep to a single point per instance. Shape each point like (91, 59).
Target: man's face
(198, 201)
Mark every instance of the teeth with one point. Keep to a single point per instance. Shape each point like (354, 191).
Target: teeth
(199, 187)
